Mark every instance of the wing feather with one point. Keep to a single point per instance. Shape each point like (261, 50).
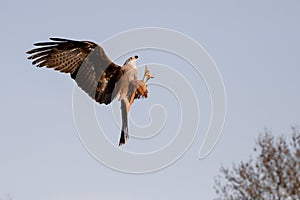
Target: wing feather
(85, 61)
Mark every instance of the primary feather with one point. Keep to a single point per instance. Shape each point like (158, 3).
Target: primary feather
(85, 61)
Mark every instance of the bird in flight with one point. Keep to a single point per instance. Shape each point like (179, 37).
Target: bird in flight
(94, 73)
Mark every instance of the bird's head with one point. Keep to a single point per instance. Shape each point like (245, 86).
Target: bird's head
(131, 60)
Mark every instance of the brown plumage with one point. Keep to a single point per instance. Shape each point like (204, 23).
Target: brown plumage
(94, 72)
(85, 61)
(137, 89)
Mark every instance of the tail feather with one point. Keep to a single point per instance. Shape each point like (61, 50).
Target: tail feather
(124, 132)
(124, 138)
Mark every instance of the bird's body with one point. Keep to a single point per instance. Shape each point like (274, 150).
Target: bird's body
(94, 72)
(129, 70)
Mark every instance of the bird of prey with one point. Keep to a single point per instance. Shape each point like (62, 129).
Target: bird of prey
(94, 73)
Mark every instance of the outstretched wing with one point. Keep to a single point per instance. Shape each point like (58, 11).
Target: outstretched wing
(85, 61)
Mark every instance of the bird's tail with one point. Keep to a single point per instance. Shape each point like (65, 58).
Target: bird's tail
(124, 138)
(124, 132)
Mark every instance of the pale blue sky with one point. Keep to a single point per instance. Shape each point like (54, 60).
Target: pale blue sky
(256, 46)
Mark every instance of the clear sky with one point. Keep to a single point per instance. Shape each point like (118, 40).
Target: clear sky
(256, 46)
